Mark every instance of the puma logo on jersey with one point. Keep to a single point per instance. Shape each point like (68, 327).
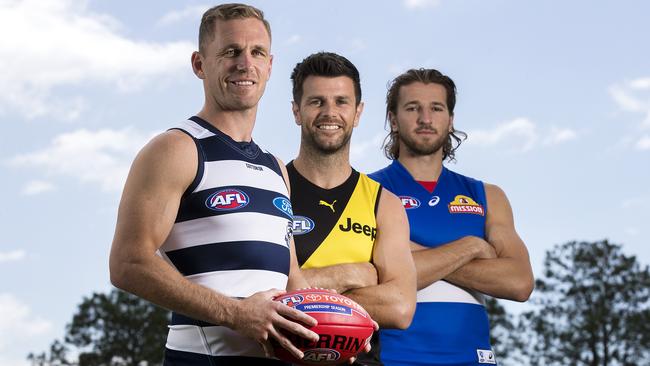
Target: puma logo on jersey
(356, 227)
(330, 205)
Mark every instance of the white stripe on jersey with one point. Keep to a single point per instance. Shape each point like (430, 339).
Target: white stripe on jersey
(238, 174)
(443, 291)
(241, 282)
(195, 129)
(215, 341)
(259, 227)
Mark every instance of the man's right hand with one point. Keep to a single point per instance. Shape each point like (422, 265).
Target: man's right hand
(261, 318)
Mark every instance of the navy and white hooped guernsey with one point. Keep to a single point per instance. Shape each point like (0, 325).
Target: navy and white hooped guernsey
(231, 235)
(450, 325)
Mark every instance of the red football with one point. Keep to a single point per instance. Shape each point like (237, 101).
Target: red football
(343, 325)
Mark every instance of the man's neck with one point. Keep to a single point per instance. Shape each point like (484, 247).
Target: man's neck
(325, 171)
(422, 167)
(236, 124)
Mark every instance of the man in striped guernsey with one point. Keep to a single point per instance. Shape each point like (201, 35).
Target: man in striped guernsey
(463, 237)
(351, 234)
(204, 223)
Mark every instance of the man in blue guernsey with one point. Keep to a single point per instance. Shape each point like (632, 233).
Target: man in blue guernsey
(351, 234)
(463, 238)
(203, 226)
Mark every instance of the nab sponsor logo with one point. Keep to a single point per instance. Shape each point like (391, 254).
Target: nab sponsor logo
(283, 204)
(302, 225)
(293, 300)
(409, 202)
(434, 201)
(227, 199)
(320, 355)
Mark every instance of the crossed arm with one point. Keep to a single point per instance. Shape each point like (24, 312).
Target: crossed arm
(498, 266)
(159, 175)
(387, 288)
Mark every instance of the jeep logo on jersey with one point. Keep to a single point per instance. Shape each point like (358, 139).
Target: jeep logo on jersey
(284, 205)
(409, 202)
(227, 199)
(302, 225)
(318, 355)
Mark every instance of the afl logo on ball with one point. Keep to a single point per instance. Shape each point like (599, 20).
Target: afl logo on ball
(227, 199)
(409, 202)
(293, 300)
(321, 354)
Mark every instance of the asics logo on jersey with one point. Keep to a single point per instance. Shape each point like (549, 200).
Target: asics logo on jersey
(330, 205)
(227, 199)
(356, 227)
(434, 201)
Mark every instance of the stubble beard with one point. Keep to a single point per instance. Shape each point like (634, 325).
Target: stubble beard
(416, 148)
(323, 148)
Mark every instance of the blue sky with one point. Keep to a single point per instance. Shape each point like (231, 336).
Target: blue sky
(554, 95)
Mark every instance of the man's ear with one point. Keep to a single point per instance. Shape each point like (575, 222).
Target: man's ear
(295, 108)
(357, 116)
(197, 64)
(393, 122)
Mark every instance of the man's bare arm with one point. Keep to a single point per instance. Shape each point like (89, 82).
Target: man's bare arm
(159, 175)
(509, 276)
(392, 301)
(342, 277)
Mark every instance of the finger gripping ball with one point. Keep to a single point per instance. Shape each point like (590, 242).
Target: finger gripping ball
(343, 325)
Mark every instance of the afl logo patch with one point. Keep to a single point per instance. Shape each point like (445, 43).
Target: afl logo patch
(409, 202)
(302, 225)
(226, 200)
(284, 205)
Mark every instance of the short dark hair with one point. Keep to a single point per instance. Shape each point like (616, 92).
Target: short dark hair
(426, 76)
(326, 64)
(227, 12)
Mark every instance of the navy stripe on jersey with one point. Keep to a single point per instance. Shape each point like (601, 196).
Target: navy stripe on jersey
(196, 205)
(200, 166)
(230, 256)
(180, 358)
(223, 147)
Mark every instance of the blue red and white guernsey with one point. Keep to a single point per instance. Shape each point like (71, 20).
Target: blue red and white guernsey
(231, 234)
(450, 325)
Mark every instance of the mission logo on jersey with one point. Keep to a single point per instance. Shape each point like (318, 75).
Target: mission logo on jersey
(409, 202)
(227, 199)
(464, 204)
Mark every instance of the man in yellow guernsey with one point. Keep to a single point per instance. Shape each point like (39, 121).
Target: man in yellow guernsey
(351, 234)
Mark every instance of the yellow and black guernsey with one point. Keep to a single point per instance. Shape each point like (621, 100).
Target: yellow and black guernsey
(333, 226)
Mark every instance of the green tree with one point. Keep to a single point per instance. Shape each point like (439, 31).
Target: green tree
(110, 330)
(592, 307)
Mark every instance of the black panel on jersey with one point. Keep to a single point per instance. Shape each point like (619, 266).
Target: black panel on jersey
(194, 206)
(223, 147)
(305, 197)
(227, 256)
(180, 358)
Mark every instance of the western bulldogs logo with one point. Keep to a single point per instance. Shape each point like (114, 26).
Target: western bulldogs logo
(302, 225)
(293, 300)
(227, 199)
(284, 205)
(409, 202)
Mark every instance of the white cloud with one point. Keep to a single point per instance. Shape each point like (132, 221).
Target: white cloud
(12, 256)
(37, 187)
(17, 323)
(102, 156)
(58, 43)
(358, 149)
(643, 143)
(295, 38)
(560, 135)
(520, 133)
(418, 4)
(633, 96)
(194, 12)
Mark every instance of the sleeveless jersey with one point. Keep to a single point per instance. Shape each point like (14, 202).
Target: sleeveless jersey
(450, 325)
(335, 226)
(231, 235)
